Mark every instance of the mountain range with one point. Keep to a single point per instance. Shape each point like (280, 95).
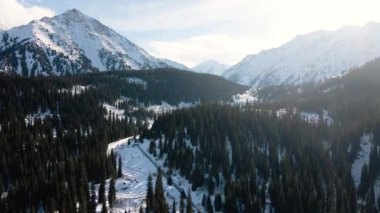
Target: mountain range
(309, 58)
(71, 43)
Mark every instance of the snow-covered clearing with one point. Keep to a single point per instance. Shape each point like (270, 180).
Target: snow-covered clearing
(31, 118)
(165, 107)
(138, 81)
(76, 89)
(246, 97)
(137, 164)
(113, 111)
(316, 118)
(362, 158)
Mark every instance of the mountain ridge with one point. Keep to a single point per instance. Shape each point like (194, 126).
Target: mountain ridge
(70, 43)
(211, 67)
(312, 57)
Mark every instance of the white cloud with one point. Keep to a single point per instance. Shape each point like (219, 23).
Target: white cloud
(222, 47)
(14, 13)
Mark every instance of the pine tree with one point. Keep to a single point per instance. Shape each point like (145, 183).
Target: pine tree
(160, 201)
(209, 207)
(111, 193)
(218, 203)
(101, 192)
(93, 199)
(204, 200)
(174, 206)
(149, 195)
(182, 203)
(104, 207)
(119, 169)
(189, 205)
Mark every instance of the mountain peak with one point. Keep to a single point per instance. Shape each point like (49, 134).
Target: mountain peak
(73, 13)
(312, 57)
(211, 67)
(73, 42)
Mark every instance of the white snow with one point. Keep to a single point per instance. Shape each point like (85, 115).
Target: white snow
(138, 81)
(137, 164)
(74, 34)
(211, 67)
(164, 107)
(309, 58)
(281, 112)
(31, 118)
(246, 97)
(114, 111)
(362, 157)
(316, 118)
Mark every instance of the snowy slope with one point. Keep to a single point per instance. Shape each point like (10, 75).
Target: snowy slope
(137, 164)
(362, 158)
(71, 43)
(211, 67)
(175, 64)
(311, 57)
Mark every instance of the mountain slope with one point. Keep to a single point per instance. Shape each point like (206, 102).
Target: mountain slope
(310, 58)
(211, 67)
(70, 43)
(175, 64)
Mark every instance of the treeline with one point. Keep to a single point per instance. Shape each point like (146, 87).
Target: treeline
(170, 85)
(249, 155)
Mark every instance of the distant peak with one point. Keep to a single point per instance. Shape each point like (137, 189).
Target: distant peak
(73, 11)
(74, 14)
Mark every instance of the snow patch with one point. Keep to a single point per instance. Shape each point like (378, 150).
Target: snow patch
(31, 118)
(246, 97)
(361, 158)
(138, 81)
(113, 111)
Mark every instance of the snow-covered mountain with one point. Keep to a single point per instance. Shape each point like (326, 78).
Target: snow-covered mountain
(211, 67)
(70, 43)
(175, 64)
(310, 58)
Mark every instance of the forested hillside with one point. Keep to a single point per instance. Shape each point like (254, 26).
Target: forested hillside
(255, 159)
(55, 130)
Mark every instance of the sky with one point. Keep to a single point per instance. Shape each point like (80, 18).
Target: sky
(192, 31)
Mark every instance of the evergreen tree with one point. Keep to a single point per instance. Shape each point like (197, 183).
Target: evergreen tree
(92, 208)
(182, 203)
(119, 169)
(150, 195)
(160, 201)
(209, 206)
(174, 206)
(111, 193)
(104, 207)
(218, 203)
(189, 204)
(101, 192)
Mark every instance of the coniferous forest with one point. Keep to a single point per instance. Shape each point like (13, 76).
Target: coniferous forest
(247, 157)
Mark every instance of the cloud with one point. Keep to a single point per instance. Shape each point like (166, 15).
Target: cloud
(222, 47)
(14, 13)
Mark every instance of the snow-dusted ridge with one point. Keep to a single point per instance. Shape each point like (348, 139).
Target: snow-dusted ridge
(71, 42)
(310, 58)
(211, 67)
